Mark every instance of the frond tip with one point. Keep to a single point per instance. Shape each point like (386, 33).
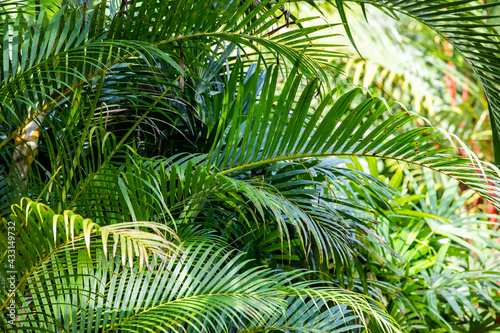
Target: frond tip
(133, 239)
(201, 289)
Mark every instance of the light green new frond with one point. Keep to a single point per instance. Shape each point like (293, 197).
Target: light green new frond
(36, 225)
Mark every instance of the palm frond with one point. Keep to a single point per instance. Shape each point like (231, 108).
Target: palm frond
(370, 129)
(465, 24)
(73, 291)
(35, 224)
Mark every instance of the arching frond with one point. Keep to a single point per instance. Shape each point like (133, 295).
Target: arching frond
(466, 25)
(370, 129)
(200, 288)
(33, 224)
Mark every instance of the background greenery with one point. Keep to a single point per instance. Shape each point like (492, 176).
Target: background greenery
(233, 166)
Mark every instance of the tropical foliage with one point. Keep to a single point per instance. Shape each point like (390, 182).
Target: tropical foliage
(199, 166)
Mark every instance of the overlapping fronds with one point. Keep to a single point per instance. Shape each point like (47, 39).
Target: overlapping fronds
(43, 72)
(466, 25)
(43, 65)
(34, 224)
(201, 289)
(188, 193)
(170, 111)
(371, 128)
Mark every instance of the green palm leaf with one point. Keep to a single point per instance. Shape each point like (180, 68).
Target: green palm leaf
(370, 129)
(75, 285)
(467, 27)
(35, 224)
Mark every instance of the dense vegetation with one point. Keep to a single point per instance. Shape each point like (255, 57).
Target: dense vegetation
(217, 166)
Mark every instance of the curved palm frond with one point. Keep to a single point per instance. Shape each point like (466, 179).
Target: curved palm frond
(303, 317)
(370, 129)
(77, 64)
(160, 111)
(35, 224)
(75, 285)
(44, 66)
(465, 24)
